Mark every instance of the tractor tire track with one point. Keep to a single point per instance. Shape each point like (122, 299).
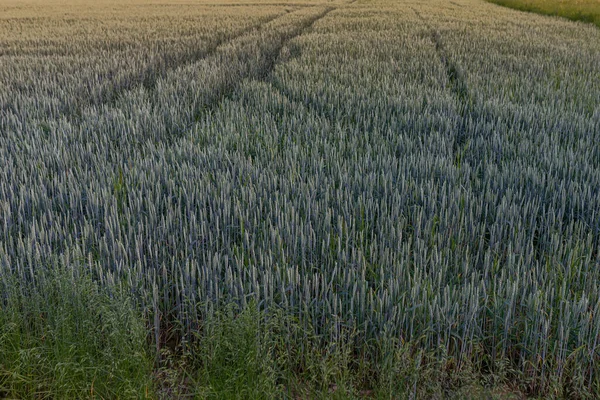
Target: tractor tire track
(459, 87)
(263, 49)
(265, 59)
(154, 71)
(187, 92)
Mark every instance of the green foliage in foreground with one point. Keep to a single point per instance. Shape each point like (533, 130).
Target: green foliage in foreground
(63, 337)
(252, 354)
(577, 10)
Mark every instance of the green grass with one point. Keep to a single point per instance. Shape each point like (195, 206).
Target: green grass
(65, 337)
(576, 10)
(253, 354)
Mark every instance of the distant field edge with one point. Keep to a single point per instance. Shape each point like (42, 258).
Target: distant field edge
(582, 10)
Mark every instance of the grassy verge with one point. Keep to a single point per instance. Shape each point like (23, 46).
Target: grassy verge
(64, 337)
(577, 10)
(253, 354)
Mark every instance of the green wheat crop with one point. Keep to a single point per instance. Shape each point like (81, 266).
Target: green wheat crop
(414, 182)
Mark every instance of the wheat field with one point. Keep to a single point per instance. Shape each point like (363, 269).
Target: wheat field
(413, 183)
